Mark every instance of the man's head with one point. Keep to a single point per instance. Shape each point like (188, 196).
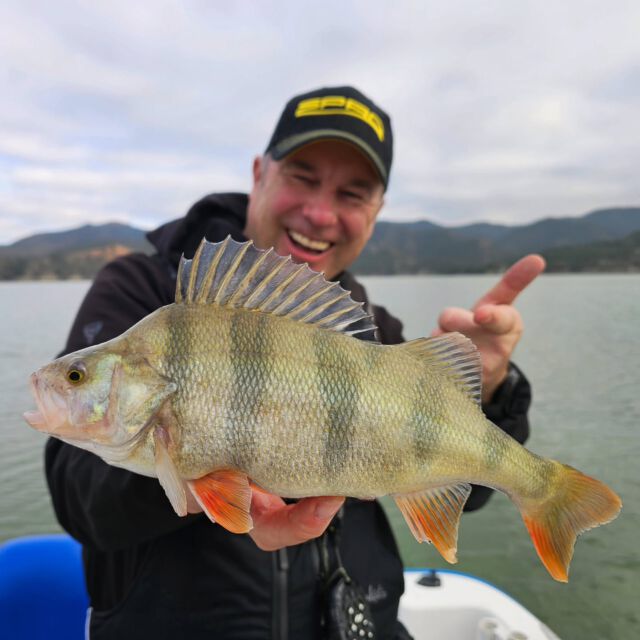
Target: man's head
(320, 185)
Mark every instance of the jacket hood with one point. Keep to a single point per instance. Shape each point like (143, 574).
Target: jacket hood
(214, 216)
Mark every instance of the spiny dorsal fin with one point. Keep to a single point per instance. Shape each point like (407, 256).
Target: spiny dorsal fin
(238, 275)
(454, 355)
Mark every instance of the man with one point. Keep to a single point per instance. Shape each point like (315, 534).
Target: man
(316, 193)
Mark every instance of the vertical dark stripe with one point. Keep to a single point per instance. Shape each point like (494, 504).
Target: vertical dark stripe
(251, 368)
(426, 426)
(373, 356)
(339, 385)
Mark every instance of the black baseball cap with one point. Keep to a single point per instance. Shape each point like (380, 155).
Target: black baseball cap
(341, 113)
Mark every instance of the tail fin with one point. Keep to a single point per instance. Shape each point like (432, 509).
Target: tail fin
(578, 503)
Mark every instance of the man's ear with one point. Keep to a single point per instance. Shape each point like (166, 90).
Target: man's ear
(257, 169)
(375, 217)
(380, 206)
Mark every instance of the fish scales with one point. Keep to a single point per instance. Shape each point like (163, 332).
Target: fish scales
(281, 411)
(283, 387)
(254, 374)
(299, 394)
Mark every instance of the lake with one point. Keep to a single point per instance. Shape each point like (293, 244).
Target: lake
(581, 352)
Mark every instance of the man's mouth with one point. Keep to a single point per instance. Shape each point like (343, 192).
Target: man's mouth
(308, 244)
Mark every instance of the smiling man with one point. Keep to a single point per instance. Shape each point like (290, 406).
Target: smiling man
(320, 184)
(318, 205)
(316, 193)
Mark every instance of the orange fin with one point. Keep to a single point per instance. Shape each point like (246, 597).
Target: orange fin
(433, 516)
(578, 503)
(225, 496)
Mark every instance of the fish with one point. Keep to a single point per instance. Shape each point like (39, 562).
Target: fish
(255, 379)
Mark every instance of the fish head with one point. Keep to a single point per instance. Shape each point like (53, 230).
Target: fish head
(73, 395)
(96, 395)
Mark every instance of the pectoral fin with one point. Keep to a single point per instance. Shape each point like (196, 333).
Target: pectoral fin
(225, 496)
(167, 473)
(433, 516)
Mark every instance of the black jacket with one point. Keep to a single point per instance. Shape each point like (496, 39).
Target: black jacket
(152, 574)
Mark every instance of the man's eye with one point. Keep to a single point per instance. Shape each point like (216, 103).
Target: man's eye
(353, 196)
(302, 179)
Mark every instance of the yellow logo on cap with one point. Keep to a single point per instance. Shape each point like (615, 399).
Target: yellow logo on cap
(341, 106)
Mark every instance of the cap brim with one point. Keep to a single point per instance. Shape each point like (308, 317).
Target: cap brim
(295, 142)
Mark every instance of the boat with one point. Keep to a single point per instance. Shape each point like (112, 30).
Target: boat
(42, 590)
(42, 595)
(450, 605)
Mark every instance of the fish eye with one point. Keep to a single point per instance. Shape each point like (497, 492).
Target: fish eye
(76, 373)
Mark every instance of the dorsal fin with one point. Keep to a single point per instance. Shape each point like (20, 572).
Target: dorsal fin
(238, 275)
(453, 355)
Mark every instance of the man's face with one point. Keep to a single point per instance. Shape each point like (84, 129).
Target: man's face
(318, 205)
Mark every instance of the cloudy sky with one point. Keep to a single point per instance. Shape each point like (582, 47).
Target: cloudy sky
(505, 111)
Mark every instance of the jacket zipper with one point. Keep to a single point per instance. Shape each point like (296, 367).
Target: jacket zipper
(280, 613)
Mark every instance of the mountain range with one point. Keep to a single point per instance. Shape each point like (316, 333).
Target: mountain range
(79, 239)
(603, 240)
(424, 247)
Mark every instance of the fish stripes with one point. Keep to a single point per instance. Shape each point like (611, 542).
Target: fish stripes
(252, 369)
(425, 427)
(339, 387)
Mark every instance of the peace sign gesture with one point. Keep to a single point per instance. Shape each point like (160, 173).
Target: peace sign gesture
(494, 324)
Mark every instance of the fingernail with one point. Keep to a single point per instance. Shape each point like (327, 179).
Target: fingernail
(327, 508)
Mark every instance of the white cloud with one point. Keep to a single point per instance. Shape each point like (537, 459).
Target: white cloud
(502, 111)
(32, 147)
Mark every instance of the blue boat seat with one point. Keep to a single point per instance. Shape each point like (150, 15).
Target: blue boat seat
(42, 589)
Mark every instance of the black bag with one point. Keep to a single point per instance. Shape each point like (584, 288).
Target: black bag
(346, 611)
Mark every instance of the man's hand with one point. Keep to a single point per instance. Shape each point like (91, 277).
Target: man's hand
(277, 525)
(494, 325)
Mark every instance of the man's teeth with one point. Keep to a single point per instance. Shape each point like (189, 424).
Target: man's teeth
(316, 245)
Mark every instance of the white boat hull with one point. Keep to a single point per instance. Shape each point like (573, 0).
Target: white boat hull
(463, 607)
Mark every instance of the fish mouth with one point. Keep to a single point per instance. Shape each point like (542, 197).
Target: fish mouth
(36, 420)
(52, 412)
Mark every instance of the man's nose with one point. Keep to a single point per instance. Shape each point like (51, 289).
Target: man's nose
(320, 210)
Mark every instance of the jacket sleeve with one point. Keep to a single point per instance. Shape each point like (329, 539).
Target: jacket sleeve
(98, 504)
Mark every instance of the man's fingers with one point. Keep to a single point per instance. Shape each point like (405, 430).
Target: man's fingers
(517, 278)
(456, 319)
(278, 525)
(498, 319)
(263, 502)
(311, 516)
(494, 324)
